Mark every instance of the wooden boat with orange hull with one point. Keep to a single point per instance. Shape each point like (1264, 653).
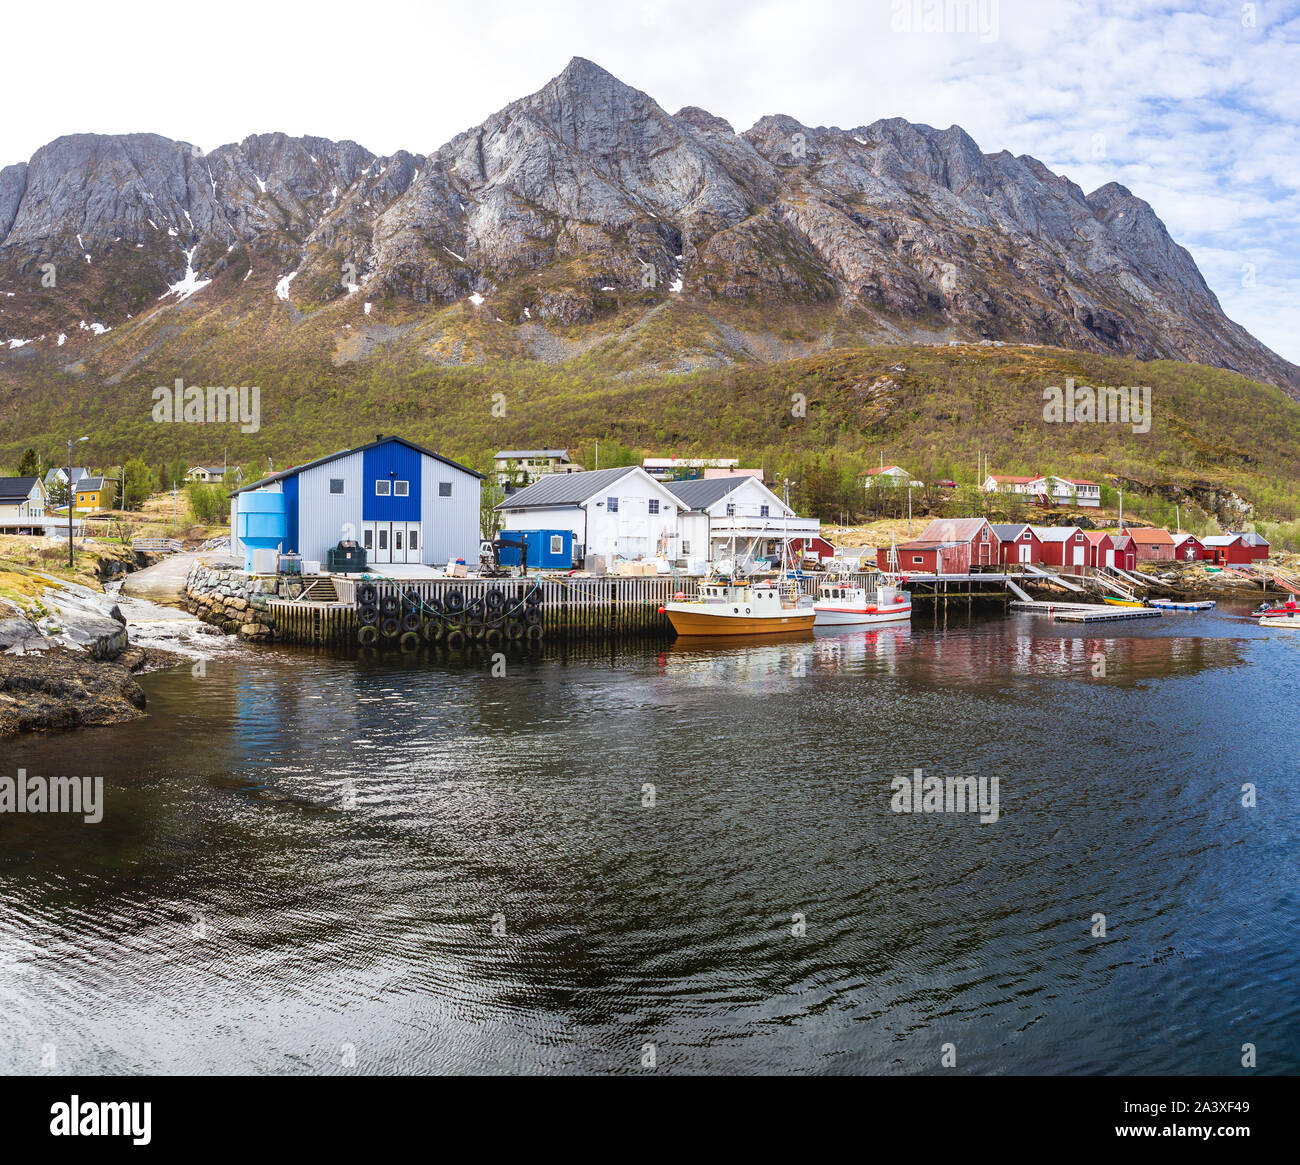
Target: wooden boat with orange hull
(738, 608)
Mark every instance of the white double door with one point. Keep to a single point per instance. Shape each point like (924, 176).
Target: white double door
(392, 541)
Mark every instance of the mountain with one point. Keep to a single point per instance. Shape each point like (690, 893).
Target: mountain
(583, 223)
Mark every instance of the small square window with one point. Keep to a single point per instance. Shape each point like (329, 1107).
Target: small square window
(336, 485)
(383, 489)
(444, 489)
(401, 489)
(654, 505)
(917, 558)
(612, 505)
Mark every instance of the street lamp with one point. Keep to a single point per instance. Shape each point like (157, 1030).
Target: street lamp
(71, 495)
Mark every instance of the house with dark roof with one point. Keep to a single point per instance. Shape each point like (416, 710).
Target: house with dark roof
(1017, 542)
(94, 493)
(740, 511)
(516, 468)
(614, 513)
(404, 503)
(60, 473)
(22, 505)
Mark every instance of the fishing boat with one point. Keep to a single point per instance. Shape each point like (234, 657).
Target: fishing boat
(1291, 621)
(732, 602)
(738, 607)
(1281, 611)
(841, 604)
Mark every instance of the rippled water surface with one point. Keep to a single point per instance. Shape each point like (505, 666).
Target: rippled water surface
(306, 859)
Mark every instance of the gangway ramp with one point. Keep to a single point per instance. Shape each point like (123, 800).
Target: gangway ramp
(1022, 595)
(1051, 577)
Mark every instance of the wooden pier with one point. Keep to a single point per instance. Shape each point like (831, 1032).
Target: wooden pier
(1084, 612)
(374, 611)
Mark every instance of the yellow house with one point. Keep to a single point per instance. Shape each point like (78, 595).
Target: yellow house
(94, 493)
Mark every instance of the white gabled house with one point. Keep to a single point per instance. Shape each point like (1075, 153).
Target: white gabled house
(891, 475)
(1047, 486)
(722, 509)
(615, 513)
(22, 505)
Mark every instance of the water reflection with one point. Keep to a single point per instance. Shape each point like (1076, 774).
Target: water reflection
(540, 867)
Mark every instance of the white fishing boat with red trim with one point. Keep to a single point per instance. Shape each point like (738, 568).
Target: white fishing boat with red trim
(843, 604)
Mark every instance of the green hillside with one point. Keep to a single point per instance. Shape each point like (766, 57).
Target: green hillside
(932, 408)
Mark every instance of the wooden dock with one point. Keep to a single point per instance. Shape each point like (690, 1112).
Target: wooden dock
(374, 611)
(1084, 612)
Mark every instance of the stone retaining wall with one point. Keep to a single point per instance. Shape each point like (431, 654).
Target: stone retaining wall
(228, 598)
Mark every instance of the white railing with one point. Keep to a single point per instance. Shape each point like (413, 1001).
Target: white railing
(171, 545)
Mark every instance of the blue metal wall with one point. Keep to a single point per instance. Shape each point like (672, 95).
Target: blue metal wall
(290, 488)
(391, 461)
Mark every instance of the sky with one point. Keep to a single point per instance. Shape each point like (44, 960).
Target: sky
(1194, 107)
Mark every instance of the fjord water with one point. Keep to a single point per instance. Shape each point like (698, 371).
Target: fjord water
(310, 864)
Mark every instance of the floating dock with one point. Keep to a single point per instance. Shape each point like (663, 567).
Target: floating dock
(1085, 612)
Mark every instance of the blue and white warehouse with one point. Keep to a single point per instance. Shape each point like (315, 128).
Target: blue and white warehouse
(402, 502)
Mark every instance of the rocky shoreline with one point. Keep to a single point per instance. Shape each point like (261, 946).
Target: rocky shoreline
(67, 659)
(61, 688)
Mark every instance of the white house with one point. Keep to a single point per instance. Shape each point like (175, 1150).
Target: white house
(22, 505)
(892, 475)
(214, 473)
(404, 504)
(615, 513)
(60, 473)
(1057, 490)
(521, 467)
(720, 510)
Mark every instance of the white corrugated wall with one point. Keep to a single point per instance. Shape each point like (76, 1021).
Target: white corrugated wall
(451, 525)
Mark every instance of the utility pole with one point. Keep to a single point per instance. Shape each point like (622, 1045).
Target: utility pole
(71, 495)
(909, 509)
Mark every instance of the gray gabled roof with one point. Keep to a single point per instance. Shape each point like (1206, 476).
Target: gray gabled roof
(566, 489)
(89, 483)
(78, 472)
(1009, 531)
(516, 454)
(16, 489)
(701, 492)
(293, 469)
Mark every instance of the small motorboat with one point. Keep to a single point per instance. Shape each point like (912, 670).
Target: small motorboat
(1174, 605)
(1124, 602)
(842, 604)
(1280, 611)
(1280, 621)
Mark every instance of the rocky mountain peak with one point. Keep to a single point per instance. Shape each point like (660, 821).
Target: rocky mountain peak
(586, 194)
